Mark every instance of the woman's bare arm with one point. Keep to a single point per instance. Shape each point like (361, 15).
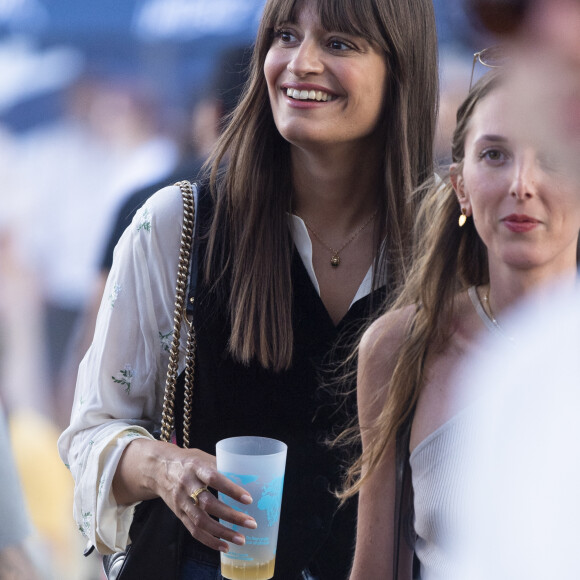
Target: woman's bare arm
(375, 528)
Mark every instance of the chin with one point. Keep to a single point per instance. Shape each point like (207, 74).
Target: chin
(523, 260)
(305, 139)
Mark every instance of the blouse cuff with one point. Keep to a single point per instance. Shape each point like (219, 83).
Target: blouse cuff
(113, 521)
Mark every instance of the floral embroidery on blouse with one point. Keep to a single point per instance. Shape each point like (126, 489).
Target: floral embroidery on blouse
(86, 525)
(132, 433)
(126, 375)
(144, 221)
(114, 295)
(166, 340)
(101, 484)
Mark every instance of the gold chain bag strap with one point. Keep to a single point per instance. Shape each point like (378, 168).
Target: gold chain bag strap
(156, 532)
(179, 314)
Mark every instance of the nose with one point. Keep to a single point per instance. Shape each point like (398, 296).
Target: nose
(523, 184)
(306, 59)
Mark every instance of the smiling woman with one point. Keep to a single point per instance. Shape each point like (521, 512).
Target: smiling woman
(329, 139)
(347, 71)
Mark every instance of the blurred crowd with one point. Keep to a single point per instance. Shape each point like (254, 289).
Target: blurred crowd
(92, 111)
(87, 117)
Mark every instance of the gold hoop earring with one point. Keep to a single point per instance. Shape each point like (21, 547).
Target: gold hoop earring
(462, 217)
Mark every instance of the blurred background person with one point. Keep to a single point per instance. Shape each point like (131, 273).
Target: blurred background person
(94, 103)
(16, 560)
(206, 121)
(108, 142)
(458, 38)
(542, 38)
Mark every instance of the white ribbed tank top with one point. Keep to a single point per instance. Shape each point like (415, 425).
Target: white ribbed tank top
(439, 464)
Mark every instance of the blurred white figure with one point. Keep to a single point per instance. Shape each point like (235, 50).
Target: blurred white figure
(523, 507)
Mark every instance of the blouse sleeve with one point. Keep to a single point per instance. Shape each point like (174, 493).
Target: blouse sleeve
(121, 380)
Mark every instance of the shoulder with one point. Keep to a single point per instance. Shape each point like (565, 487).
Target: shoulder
(162, 213)
(165, 204)
(384, 337)
(378, 354)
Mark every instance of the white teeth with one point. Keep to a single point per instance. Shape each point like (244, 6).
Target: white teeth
(305, 95)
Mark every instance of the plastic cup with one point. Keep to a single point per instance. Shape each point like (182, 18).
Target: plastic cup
(257, 464)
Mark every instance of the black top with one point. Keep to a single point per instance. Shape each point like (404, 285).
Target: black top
(231, 398)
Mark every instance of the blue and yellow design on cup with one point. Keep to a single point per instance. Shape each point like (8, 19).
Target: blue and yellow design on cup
(258, 465)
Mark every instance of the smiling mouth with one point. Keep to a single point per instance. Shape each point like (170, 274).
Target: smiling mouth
(311, 95)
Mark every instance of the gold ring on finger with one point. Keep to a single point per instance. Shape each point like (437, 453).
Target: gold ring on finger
(195, 495)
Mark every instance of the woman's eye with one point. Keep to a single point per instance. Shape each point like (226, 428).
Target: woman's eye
(339, 45)
(285, 36)
(494, 155)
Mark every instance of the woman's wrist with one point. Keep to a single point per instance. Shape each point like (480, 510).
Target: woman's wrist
(139, 471)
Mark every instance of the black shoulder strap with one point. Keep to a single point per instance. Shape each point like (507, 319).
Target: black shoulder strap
(202, 214)
(403, 491)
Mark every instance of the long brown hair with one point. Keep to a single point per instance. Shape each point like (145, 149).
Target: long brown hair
(249, 243)
(446, 259)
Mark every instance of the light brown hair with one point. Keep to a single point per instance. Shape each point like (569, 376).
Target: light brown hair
(446, 259)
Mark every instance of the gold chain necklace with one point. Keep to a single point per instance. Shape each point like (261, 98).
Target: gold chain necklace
(489, 310)
(335, 259)
(492, 317)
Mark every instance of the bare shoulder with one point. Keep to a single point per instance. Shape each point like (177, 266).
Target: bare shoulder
(386, 334)
(378, 353)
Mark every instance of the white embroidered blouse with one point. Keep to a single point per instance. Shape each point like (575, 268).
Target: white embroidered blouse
(122, 375)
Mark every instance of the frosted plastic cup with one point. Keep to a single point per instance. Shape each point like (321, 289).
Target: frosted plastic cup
(257, 464)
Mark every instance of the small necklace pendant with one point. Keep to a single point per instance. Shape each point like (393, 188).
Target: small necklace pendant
(335, 261)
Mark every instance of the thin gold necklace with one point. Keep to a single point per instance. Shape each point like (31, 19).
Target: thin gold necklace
(335, 259)
(492, 317)
(489, 310)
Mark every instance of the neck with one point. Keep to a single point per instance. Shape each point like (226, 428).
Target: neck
(505, 291)
(331, 188)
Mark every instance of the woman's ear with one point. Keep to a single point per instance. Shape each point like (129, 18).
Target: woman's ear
(458, 183)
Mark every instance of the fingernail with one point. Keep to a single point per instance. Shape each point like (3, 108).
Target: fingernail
(246, 498)
(250, 524)
(239, 540)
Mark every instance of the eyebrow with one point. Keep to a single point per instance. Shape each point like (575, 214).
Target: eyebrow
(495, 138)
